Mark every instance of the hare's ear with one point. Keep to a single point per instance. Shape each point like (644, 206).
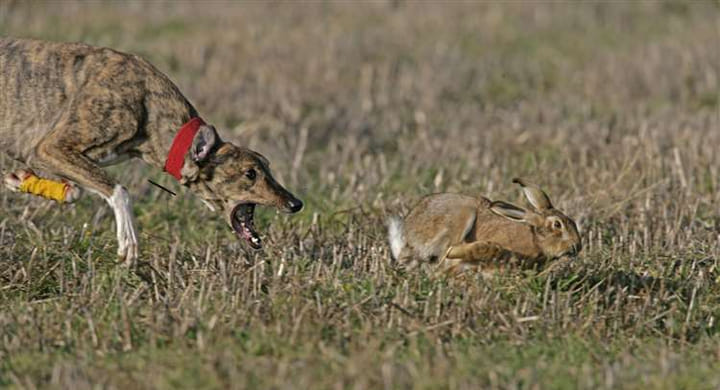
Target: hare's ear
(514, 213)
(537, 197)
(508, 211)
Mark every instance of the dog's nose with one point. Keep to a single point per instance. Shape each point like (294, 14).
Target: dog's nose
(294, 205)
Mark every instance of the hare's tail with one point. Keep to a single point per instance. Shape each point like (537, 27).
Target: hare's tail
(396, 236)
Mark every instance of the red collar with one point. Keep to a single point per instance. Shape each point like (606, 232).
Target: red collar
(180, 146)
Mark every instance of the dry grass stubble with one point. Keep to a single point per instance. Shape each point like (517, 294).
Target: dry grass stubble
(612, 108)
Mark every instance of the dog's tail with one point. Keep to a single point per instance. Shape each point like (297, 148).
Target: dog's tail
(396, 236)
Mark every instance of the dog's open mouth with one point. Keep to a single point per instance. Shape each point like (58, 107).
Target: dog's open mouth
(242, 223)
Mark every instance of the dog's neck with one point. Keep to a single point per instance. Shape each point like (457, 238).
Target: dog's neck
(161, 130)
(181, 145)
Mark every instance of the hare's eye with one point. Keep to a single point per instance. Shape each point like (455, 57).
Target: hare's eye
(250, 174)
(557, 225)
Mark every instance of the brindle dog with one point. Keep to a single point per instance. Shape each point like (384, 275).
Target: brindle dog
(69, 109)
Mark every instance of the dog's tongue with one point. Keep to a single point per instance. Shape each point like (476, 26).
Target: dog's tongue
(242, 223)
(250, 236)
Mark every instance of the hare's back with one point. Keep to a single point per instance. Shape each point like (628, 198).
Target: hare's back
(445, 204)
(440, 220)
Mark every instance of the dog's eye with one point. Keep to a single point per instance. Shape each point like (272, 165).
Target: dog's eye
(250, 174)
(557, 225)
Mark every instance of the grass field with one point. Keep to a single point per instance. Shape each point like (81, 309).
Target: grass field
(363, 108)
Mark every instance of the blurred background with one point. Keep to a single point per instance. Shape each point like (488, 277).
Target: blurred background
(363, 108)
(362, 102)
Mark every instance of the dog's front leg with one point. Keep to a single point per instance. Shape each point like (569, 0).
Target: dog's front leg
(55, 155)
(126, 233)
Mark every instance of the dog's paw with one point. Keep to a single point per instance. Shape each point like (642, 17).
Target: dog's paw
(72, 191)
(127, 246)
(13, 180)
(127, 254)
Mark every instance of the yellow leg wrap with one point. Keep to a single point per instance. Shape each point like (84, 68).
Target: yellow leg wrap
(50, 189)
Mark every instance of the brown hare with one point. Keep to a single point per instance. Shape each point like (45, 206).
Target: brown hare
(465, 230)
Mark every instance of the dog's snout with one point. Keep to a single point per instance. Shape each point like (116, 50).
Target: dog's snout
(294, 205)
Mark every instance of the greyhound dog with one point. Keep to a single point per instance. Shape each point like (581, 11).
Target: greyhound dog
(69, 109)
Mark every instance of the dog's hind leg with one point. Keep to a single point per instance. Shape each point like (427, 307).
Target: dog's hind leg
(25, 180)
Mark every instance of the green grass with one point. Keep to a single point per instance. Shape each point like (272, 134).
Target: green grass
(612, 108)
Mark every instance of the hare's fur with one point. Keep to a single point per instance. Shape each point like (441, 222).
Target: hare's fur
(478, 231)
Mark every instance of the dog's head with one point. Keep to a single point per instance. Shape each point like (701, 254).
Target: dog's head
(232, 180)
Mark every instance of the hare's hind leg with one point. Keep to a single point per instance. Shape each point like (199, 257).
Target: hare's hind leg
(484, 255)
(477, 253)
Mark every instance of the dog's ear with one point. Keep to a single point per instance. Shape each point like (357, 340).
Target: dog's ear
(203, 143)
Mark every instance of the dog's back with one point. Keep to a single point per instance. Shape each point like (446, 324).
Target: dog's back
(40, 80)
(37, 80)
